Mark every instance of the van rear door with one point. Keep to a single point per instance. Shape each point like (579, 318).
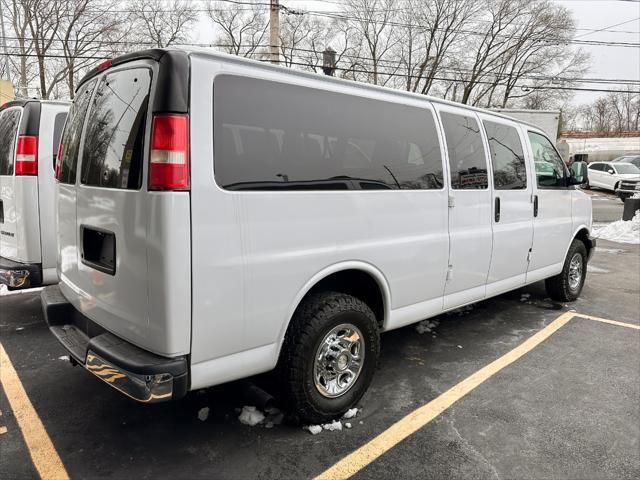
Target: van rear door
(125, 265)
(9, 122)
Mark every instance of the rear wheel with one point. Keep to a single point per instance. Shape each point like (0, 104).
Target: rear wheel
(329, 355)
(567, 285)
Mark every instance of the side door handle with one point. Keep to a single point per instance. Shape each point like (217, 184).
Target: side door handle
(535, 205)
(497, 209)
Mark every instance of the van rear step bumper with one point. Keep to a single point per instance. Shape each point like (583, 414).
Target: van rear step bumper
(20, 275)
(141, 375)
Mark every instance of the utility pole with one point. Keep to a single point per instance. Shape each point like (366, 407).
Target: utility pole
(274, 31)
(329, 61)
(4, 43)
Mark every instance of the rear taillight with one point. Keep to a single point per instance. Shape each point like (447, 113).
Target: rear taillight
(27, 155)
(169, 159)
(58, 161)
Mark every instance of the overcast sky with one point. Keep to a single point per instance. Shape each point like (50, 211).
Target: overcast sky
(606, 61)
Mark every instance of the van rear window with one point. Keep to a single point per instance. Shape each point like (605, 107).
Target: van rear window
(9, 120)
(73, 132)
(114, 138)
(276, 136)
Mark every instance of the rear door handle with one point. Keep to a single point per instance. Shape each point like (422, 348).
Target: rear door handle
(497, 209)
(535, 205)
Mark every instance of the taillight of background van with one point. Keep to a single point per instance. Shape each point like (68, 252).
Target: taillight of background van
(27, 155)
(169, 158)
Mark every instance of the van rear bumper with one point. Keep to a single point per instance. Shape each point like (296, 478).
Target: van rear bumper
(20, 275)
(137, 373)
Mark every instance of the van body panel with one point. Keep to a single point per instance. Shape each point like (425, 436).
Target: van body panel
(9, 234)
(248, 273)
(27, 220)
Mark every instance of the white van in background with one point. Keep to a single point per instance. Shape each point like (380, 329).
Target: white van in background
(220, 217)
(30, 133)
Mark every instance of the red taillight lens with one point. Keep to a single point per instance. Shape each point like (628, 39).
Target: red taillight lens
(27, 155)
(169, 159)
(58, 161)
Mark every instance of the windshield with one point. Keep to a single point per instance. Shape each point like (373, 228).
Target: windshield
(627, 168)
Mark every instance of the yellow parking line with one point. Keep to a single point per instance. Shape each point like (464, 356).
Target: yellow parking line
(610, 322)
(363, 456)
(43, 454)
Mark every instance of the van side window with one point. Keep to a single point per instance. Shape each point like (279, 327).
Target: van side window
(114, 145)
(551, 171)
(9, 120)
(467, 158)
(274, 136)
(72, 133)
(507, 157)
(58, 125)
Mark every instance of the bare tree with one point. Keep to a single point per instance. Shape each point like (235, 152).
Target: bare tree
(163, 22)
(243, 30)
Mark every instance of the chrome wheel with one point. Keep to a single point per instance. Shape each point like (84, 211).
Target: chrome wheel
(338, 360)
(575, 271)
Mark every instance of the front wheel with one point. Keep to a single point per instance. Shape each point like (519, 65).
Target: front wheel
(329, 355)
(567, 285)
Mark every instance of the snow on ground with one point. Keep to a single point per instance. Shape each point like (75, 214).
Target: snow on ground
(64, 358)
(594, 269)
(336, 425)
(5, 291)
(203, 414)
(621, 231)
(251, 416)
(425, 326)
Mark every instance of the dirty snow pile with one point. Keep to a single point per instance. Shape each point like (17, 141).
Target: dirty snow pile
(621, 231)
(427, 326)
(461, 311)
(336, 425)
(250, 415)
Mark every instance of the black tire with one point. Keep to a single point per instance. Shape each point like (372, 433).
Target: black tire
(559, 287)
(314, 319)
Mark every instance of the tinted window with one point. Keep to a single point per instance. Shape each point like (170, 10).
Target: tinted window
(72, 133)
(597, 166)
(507, 157)
(58, 125)
(625, 169)
(270, 136)
(550, 169)
(466, 152)
(113, 149)
(9, 120)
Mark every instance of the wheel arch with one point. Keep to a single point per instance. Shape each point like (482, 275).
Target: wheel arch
(373, 289)
(582, 233)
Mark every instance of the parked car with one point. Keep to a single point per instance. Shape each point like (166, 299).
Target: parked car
(29, 136)
(220, 217)
(634, 159)
(619, 177)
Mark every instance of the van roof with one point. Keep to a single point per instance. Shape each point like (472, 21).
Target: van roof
(158, 53)
(24, 101)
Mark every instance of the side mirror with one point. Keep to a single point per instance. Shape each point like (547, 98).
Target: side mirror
(610, 171)
(578, 173)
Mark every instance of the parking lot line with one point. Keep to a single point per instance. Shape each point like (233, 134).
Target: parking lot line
(610, 322)
(363, 456)
(44, 456)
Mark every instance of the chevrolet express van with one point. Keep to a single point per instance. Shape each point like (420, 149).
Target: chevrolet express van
(220, 217)
(29, 136)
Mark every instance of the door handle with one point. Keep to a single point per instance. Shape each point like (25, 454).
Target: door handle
(497, 209)
(535, 205)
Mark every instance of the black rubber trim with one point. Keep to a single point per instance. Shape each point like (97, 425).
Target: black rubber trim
(591, 246)
(172, 86)
(35, 270)
(78, 334)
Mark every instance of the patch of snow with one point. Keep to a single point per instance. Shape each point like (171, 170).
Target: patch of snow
(594, 269)
(203, 414)
(314, 429)
(524, 297)
(459, 346)
(3, 290)
(427, 326)
(18, 329)
(64, 357)
(352, 412)
(621, 231)
(335, 425)
(347, 425)
(251, 416)
(635, 196)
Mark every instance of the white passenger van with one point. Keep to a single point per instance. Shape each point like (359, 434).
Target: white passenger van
(220, 217)
(29, 136)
